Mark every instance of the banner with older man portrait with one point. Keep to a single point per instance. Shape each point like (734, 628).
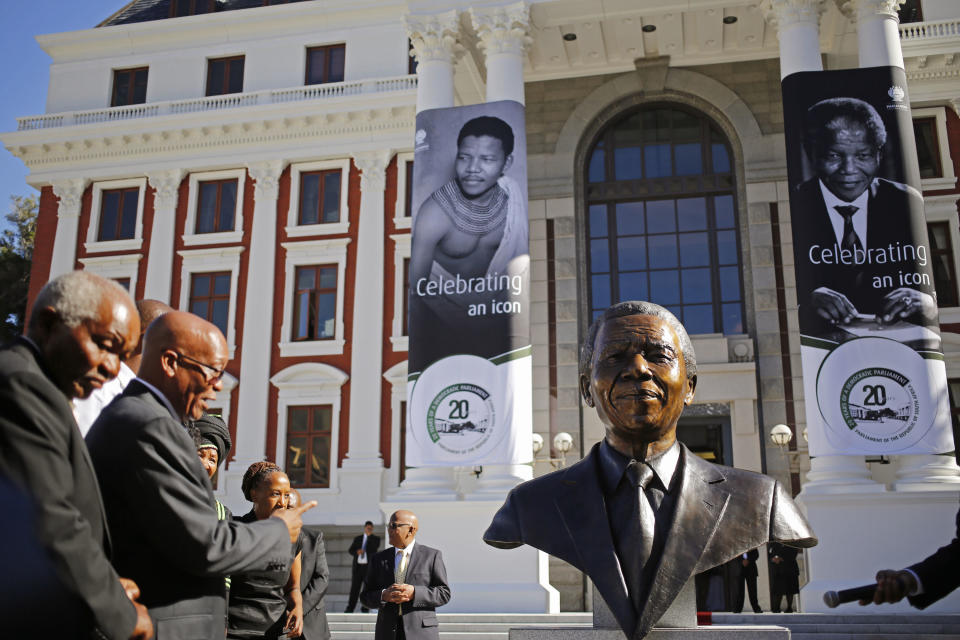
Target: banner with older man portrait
(470, 361)
(873, 368)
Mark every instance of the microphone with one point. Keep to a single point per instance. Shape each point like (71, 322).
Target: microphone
(834, 598)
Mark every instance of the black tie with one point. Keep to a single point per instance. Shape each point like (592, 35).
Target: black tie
(850, 240)
(644, 525)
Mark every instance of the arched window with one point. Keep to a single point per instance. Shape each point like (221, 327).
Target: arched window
(662, 219)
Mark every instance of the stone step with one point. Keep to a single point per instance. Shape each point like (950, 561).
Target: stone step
(869, 636)
(834, 618)
(498, 627)
(524, 619)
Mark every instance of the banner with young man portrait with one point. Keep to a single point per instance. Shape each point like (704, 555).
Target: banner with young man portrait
(873, 369)
(470, 364)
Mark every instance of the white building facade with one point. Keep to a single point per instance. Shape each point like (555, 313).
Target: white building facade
(250, 161)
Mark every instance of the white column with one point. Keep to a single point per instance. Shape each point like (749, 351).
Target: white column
(503, 38)
(435, 44)
(258, 318)
(64, 255)
(878, 38)
(160, 263)
(367, 344)
(798, 27)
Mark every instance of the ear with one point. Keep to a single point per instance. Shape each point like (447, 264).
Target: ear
(168, 363)
(507, 164)
(46, 320)
(585, 390)
(691, 388)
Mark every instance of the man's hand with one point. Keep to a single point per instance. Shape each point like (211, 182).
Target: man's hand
(905, 302)
(133, 591)
(832, 306)
(892, 586)
(776, 559)
(294, 623)
(292, 518)
(398, 593)
(144, 628)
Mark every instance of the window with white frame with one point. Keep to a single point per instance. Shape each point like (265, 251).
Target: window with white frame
(318, 198)
(215, 207)
(303, 259)
(933, 149)
(943, 228)
(116, 216)
(403, 210)
(120, 268)
(308, 419)
(401, 261)
(223, 260)
(221, 404)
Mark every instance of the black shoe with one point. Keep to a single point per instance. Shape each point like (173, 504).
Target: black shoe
(789, 611)
(348, 610)
(758, 610)
(364, 610)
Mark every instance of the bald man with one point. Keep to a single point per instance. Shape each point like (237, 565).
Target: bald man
(87, 410)
(158, 497)
(81, 327)
(407, 582)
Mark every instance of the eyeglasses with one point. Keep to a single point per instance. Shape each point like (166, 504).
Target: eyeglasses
(211, 375)
(397, 525)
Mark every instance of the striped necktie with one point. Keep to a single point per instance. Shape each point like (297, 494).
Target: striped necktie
(400, 574)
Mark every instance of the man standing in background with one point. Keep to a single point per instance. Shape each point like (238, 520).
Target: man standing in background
(361, 550)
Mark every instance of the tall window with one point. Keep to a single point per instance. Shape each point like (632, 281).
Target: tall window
(210, 297)
(406, 294)
(320, 197)
(217, 206)
(118, 214)
(944, 273)
(325, 64)
(224, 75)
(662, 223)
(928, 147)
(315, 302)
(129, 87)
(190, 7)
(408, 194)
(308, 445)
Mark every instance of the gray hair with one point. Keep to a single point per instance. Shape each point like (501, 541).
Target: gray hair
(75, 296)
(637, 308)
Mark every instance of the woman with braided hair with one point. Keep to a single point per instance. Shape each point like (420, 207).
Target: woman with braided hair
(266, 604)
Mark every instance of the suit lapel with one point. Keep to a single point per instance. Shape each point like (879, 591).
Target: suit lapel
(701, 501)
(583, 511)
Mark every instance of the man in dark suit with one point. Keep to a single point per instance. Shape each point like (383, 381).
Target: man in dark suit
(925, 582)
(314, 579)
(747, 573)
(363, 547)
(854, 232)
(407, 582)
(158, 497)
(784, 575)
(641, 514)
(81, 327)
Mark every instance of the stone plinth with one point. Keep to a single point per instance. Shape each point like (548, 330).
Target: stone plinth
(692, 633)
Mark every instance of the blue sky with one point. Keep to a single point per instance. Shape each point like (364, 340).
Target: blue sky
(25, 68)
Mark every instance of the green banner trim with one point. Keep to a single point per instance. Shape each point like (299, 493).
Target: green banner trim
(817, 343)
(516, 354)
(931, 355)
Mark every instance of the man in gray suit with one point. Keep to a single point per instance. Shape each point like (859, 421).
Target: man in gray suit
(158, 498)
(641, 514)
(81, 327)
(406, 582)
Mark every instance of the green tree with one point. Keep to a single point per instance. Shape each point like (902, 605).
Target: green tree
(16, 254)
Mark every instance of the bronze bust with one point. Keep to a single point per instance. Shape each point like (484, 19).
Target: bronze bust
(638, 370)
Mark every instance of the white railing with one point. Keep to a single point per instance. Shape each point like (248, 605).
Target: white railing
(919, 31)
(215, 103)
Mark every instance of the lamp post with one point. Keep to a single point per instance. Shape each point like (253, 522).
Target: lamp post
(562, 443)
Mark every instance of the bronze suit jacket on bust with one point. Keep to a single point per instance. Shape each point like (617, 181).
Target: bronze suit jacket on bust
(720, 512)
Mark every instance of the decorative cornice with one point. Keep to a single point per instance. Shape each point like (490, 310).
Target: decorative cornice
(503, 29)
(266, 173)
(435, 38)
(70, 193)
(854, 9)
(373, 167)
(786, 13)
(167, 185)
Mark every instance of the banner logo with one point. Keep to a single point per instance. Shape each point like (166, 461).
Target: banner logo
(461, 418)
(874, 400)
(896, 93)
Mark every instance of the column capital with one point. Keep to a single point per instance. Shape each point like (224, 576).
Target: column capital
(70, 193)
(266, 173)
(167, 185)
(373, 167)
(854, 8)
(503, 29)
(435, 37)
(785, 13)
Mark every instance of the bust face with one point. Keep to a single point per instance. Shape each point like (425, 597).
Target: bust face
(638, 383)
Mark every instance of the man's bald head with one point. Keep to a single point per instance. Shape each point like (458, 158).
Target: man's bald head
(402, 528)
(184, 356)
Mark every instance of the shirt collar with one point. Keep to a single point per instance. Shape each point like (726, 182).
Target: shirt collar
(162, 398)
(859, 217)
(407, 549)
(613, 465)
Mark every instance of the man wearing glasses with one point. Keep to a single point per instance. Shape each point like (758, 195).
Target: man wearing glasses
(406, 582)
(158, 498)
